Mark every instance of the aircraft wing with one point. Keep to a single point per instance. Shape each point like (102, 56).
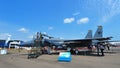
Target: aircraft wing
(86, 40)
(103, 38)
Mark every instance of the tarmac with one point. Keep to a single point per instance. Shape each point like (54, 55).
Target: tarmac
(19, 60)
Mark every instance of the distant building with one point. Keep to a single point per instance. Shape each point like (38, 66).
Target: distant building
(2, 43)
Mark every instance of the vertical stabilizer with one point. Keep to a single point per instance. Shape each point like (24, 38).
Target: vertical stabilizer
(99, 32)
(89, 34)
(8, 39)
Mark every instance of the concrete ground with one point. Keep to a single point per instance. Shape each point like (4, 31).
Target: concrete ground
(19, 60)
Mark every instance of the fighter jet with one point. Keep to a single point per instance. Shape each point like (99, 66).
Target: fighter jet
(72, 43)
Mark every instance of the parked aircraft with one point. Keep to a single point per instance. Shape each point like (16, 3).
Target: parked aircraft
(80, 44)
(114, 43)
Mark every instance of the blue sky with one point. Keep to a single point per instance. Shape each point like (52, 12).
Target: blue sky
(67, 19)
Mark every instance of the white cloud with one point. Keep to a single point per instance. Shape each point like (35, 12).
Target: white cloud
(61, 38)
(23, 30)
(50, 28)
(5, 35)
(113, 9)
(106, 9)
(83, 20)
(75, 14)
(105, 18)
(44, 32)
(68, 20)
(31, 37)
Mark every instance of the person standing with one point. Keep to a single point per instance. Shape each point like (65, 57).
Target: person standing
(76, 51)
(98, 49)
(108, 47)
(49, 50)
(102, 49)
